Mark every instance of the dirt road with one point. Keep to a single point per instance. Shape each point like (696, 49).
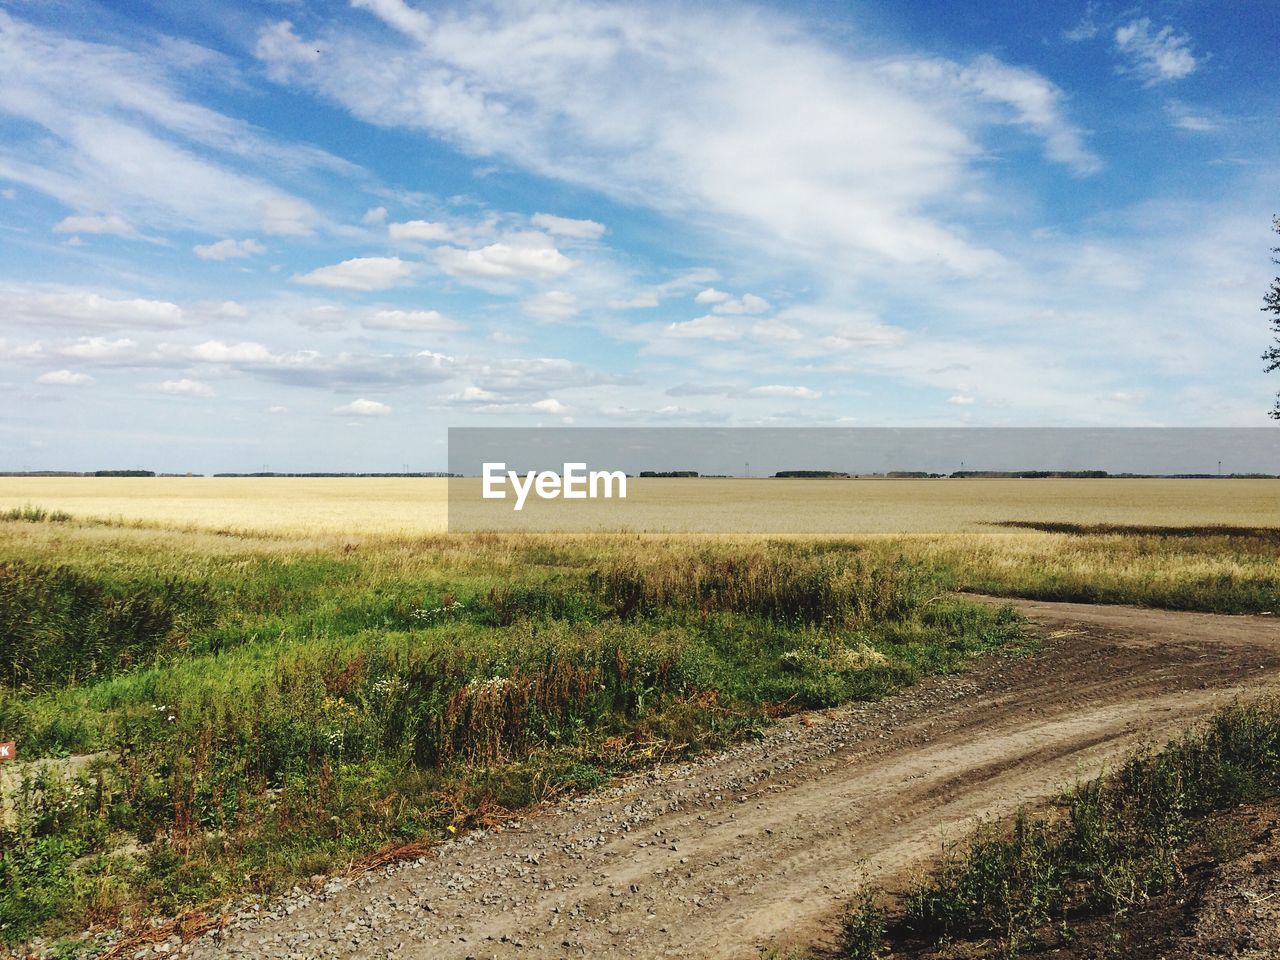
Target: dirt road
(760, 846)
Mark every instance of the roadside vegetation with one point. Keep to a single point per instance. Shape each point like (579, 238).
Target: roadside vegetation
(1107, 848)
(200, 716)
(1213, 569)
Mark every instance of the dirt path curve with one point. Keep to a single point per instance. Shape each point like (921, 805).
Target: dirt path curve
(761, 845)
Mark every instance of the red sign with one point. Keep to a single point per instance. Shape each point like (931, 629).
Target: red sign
(8, 750)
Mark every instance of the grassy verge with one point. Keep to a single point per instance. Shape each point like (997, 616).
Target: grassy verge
(1111, 845)
(199, 716)
(1209, 569)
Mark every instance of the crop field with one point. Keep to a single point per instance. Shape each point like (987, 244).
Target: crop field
(418, 506)
(227, 686)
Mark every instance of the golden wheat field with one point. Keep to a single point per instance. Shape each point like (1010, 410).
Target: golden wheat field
(415, 506)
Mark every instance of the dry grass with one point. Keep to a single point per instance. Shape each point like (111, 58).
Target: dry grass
(418, 506)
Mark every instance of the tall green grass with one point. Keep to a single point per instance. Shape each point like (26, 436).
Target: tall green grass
(250, 712)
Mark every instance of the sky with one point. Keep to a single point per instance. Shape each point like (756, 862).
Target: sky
(314, 236)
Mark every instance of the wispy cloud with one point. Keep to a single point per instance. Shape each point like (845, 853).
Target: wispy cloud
(229, 249)
(746, 129)
(120, 144)
(1155, 56)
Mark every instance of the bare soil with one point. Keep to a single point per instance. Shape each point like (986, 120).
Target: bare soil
(760, 847)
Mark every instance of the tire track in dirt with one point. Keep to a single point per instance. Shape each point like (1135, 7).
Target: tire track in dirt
(761, 845)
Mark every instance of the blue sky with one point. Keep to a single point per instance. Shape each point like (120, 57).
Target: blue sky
(314, 236)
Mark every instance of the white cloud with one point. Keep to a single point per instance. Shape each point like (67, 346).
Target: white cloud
(64, 378)
(1155, 56)
(277, 408)
(215, 351)
(185, 388)
(101, 126)
(473, 394)
(228, 249)
(705, 328)
(21, 351)
(783, 390)
(960, 399)
(528, 254)
(421, 321)
(9, 193)
(374, 216)
(749, 303)
(279, 46)
(1186, 118)
(552, 305)
(550, 405)
(711, 295)
(287, 217)
(564, 227)
(665, 108)
(425, 230)
(99, 348)
(78, 308)
(360, 273)
(363, 408)
(1086, 29)
(109, 224)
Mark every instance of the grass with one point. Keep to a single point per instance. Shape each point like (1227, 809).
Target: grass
(1112, 844)
(239, 713)
(1212, 571)
(221, 712)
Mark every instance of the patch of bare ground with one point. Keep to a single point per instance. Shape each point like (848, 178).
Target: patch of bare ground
(759, 847)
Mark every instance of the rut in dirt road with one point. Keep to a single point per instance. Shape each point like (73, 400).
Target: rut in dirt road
(761, 845)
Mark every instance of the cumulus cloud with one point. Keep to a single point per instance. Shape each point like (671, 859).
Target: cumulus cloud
(360, 273)
(473, 394)
(185, 388)
(518, 255)
(363, 408)
(1156, 56)
(80, 308)
(711, 295)
(960, 399)
(374, 216)
(565, 227)
(228, 249)
(410, 321)
(64, 378)
(99, 348)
